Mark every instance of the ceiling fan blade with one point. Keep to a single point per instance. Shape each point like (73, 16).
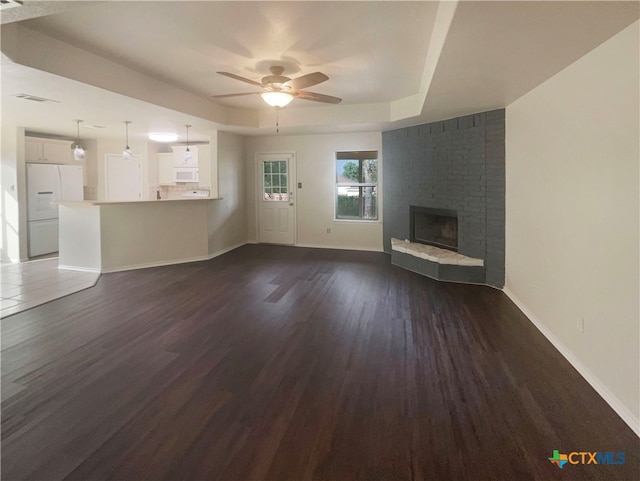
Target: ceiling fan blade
(233, 95)
(327, 99)
(307, 80)
(242, 79)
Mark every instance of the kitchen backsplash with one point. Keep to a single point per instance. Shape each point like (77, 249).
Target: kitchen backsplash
(90, 193)
(171, 191)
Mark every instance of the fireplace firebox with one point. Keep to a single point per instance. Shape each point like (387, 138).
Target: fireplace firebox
(436, 227)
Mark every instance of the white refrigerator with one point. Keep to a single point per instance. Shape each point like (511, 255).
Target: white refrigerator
(46, 184)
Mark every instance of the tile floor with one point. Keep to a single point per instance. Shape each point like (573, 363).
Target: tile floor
(29, 284)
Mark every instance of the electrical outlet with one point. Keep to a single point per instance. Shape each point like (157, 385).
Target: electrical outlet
(328, 230)
(580, 324)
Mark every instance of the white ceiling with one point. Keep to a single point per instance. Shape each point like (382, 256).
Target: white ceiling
(392, 63)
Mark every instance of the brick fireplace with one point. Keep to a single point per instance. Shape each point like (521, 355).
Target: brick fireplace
(454, 165)
(436, 227)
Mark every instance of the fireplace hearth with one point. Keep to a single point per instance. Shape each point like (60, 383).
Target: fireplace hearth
(436, 227)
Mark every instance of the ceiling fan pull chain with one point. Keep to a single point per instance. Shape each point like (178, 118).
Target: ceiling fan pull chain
(277, 124)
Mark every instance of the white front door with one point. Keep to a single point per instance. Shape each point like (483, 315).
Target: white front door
(276, 209)
(123, 178)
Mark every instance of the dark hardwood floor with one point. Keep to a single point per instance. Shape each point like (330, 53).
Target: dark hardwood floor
(276, 363)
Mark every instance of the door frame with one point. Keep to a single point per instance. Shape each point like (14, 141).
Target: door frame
(259, 157)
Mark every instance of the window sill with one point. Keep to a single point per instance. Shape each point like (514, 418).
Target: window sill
(358, 221)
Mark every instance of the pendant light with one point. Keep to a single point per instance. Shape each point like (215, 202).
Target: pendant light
(126, 153)
(78, 152)
(187, 153)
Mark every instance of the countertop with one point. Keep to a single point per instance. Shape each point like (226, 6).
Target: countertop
(157, 201)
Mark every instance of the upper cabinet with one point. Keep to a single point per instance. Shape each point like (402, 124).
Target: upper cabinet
(47, 150)
(165, 169)
(178, 156)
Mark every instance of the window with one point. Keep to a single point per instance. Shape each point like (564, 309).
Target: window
(276, 183)
(357, 185)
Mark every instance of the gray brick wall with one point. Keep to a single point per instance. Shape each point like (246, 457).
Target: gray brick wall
(451, 164)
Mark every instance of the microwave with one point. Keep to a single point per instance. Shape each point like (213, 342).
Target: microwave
(186, 174)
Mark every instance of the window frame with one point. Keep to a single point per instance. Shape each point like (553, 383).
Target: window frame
(359, 156)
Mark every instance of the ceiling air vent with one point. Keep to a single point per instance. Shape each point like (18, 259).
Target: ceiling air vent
(5, 4)
(34, 98)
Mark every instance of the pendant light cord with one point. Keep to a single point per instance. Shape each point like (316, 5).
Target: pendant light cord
(126, 153)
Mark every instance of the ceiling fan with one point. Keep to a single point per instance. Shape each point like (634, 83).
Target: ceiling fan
(278, 90)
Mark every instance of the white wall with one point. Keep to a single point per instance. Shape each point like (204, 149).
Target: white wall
(90, 168)
(315, 168)
(227, 217)
(13, 195)
(572, 243)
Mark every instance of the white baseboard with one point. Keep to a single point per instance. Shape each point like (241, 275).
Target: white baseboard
(621, 410)
(350, 248)
(80, 269)
(225, 250)
(321, 246)
(171, 262)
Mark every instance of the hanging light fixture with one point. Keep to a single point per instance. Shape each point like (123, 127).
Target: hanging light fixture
(187, 153)
(78, 152)
(127, 153)
(277, 99)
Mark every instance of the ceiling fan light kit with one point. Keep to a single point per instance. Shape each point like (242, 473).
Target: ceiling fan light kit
(277, 99)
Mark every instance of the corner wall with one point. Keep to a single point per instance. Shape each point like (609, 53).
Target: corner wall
(455, 164)
(228, 217)
(572, 241)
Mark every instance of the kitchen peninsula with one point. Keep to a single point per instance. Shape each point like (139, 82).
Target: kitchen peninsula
(103, 236)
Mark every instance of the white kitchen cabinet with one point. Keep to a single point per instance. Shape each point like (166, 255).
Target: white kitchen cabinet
(165, 169)
(178, 156)
(47, 150)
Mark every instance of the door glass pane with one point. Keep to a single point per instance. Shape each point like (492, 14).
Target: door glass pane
(275, 184)
(284, 185)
